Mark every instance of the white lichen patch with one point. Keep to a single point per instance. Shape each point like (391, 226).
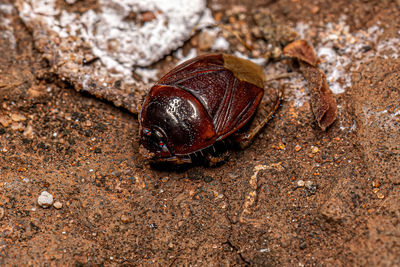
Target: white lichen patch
(116, 37)
(296, 87)
(383, 119)
(182, 58)
(389, 48)
(6, 9)
(6, 30)
(220, 44)
(118, 34)
(341, 52)
(147, 74)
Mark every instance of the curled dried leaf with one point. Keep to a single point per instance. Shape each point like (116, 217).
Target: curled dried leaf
(301, 50)
(323, 103)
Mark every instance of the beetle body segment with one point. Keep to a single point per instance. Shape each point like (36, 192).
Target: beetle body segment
(198, 103)
(182, 119)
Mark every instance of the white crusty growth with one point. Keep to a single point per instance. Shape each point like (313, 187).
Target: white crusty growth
(117, 37)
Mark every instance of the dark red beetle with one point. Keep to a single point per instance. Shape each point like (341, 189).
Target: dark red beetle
(199, 103)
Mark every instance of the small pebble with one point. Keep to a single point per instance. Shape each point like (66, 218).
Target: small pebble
(309, 184)
(380, 195)
(281, 146)
(148, 16)
(314, 149)
(314, 10)
(28, 132)
(233, 175)
(4, 121)
(300, 183)
(276, 52)
(18, 117)
(17, 126)
(375, 190)
(45, 199)
(88, 123)
(376, 184)
(125, 219)
(206, 40)
(58, 205)
(311, 187)
(1, 213)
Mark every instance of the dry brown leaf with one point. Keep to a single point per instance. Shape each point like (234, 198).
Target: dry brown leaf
(323, 103)
(301, 50)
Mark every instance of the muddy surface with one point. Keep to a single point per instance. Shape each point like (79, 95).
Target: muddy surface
(297, 196)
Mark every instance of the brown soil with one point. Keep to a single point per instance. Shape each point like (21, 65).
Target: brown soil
(117, 210)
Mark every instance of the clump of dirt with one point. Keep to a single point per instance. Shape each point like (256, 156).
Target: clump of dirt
(296, 196)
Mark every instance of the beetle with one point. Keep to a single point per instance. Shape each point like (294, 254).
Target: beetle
(199, 104)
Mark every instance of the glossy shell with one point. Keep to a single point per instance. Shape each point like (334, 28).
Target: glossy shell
(198, 103)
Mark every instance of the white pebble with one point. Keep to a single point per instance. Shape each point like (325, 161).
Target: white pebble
(58, 205)
(45, 199)
(309, 184)
(300, 183)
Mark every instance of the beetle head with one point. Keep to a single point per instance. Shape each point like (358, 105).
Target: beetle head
(154, 140)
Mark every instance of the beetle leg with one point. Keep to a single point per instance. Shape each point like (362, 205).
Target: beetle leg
(180, 161)
(245, 139)
(214, 160)
(174, 160)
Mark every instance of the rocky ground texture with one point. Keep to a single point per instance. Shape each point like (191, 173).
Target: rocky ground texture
(298, 196)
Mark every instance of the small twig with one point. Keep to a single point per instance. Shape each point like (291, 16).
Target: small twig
(280, 76)
(235, 34)
(11, 85)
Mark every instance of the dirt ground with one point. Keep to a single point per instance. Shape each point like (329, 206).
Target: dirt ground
(297, 196)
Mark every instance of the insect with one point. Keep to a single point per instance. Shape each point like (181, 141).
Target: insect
(199, 104)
